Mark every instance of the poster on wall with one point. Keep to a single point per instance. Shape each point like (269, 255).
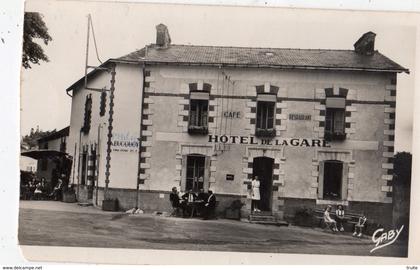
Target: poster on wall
(124, 142)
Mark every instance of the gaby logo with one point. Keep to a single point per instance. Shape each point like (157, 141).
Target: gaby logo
(383, 239)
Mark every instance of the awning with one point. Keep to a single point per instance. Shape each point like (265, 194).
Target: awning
(44, 153)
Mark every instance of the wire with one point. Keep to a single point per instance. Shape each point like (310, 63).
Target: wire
(94, 40)
(217, 103)
(227, 103)
(231, 107)
(221, 101)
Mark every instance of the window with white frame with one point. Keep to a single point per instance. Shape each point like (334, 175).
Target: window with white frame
(198, 114)
(265, 117)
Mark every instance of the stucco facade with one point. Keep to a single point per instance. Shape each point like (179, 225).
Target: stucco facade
(154, 146)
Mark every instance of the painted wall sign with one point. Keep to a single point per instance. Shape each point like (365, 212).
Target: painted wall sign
(124, 142)
(299, 142)
(299, 116)
(233, 115)
(230, 177)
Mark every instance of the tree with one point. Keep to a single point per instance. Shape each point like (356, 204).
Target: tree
(34, 28)
(402, 169)
(31, 140)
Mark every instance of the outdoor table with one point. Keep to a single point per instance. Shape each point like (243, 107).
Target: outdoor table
(193, 206)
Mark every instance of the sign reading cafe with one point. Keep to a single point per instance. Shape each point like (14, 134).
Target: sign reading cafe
(299, 142)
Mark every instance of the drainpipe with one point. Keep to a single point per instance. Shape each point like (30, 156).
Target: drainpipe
(140, 134)
(98, 160)
(78, 163)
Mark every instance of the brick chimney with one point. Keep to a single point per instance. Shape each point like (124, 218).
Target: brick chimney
(163, 39)
(365, 44)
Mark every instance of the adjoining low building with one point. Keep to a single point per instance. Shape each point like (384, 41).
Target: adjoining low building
(316, 126)
(51, 155)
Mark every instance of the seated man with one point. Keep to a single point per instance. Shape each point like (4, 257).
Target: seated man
(201, 199)
(174, 199)
(209, 206)
(331, 223)
(358, 228)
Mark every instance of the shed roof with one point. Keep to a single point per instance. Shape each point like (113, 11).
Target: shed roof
(55, 135)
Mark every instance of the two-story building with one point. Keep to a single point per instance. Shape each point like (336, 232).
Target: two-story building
(316, 126)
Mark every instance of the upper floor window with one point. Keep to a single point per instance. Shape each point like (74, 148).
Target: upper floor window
(335, 124)
(335, 115)
(266, 108)
(199, 108)
(198, 114)
(88, 113)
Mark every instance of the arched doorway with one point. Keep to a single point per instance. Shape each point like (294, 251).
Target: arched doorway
(263, 168)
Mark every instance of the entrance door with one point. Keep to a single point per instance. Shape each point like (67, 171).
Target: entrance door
(263, 168)
(333, 175)
(195, 172)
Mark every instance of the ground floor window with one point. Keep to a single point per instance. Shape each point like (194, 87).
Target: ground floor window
(195, 172)
(333, 178)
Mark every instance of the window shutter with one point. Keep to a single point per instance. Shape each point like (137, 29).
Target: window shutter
(183, 172)
(206, 173)
(321, 180)
(344, 182)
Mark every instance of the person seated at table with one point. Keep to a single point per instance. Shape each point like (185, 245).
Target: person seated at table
(331, 223)
(56, 193)
(201, 199)
(209, 206)
(38, 194)
(174, 199)
(189, 196)
(358, 228)
(187, 199)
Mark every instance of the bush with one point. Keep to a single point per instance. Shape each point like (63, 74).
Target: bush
(304, 217)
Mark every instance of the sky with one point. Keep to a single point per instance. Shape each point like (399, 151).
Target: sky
(121, 28)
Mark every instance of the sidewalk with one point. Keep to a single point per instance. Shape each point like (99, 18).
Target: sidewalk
(62, 224)
(60, 206)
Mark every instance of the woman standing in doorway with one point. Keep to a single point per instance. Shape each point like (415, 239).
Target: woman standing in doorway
(255, 194)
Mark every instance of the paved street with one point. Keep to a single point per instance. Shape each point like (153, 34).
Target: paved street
(60, 224)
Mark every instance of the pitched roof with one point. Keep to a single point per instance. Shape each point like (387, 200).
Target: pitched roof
(263, 57)
(321, 59)
(55, 135)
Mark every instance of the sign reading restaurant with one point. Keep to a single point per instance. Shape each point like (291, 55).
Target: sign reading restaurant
(235, 139)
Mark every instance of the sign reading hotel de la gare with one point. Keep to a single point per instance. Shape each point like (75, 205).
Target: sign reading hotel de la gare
(251, 140)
